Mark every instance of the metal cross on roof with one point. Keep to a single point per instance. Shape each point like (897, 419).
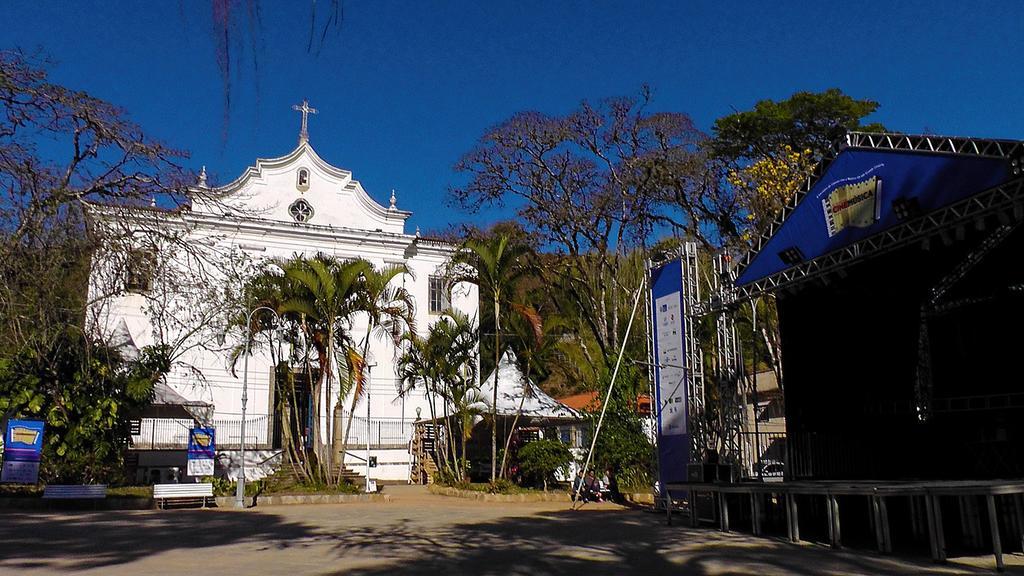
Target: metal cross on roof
(306, 110)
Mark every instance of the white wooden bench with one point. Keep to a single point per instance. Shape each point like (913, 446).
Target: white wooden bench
(75, 491)
(201, 492)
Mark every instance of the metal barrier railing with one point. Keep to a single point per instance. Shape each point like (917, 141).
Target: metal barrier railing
(172, 433)
(764, 454)
(382, 431)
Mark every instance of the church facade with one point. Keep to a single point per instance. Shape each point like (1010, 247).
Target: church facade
(280, 208)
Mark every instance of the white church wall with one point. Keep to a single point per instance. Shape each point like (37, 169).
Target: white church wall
(346, 223)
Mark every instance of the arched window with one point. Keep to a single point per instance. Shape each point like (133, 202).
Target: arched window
(300, 210)
(302, 179)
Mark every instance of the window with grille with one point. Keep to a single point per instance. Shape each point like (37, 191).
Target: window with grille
(440, 295)
(139, 276)
(300, 211)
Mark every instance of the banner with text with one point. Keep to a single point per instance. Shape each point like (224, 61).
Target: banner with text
(23, 447)
(201, 451)
(670, 384)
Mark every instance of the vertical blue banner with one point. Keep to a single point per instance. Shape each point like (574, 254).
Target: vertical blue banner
(670, 384)
(202, 451)
(23, 447)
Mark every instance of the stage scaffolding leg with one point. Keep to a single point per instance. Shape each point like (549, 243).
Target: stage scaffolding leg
(834, 536)
(886, 535)
(792, 518)
(755, 514)
(694, 519)
(724, 505)
(876, 521)
(933, 541)
(940, 534)
(993, 523)
(1019, 510)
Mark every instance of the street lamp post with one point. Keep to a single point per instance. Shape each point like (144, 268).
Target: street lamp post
(240, 489)
(369, 383)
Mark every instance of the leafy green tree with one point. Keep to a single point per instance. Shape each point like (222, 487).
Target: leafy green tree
(767, 152)
(535, 342)
(804, 121)
(86, 392)
(542, 459)
(623, 446)
(319, 299)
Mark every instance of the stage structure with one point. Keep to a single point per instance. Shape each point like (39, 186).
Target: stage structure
(898, 281)
(699, 428)
(894, 241)
(896, 272)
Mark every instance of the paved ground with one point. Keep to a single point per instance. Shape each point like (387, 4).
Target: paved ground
(416, 533)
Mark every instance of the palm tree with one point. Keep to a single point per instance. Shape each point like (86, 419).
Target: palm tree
(445, 363)
(494, 265)
(329, 293)
(454, 347)
(389, 312)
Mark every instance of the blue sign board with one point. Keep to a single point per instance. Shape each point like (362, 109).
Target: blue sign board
(202, 451)
(23, 447)
(670, 383)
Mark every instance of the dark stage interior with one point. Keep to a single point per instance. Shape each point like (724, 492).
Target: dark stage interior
(851, 342)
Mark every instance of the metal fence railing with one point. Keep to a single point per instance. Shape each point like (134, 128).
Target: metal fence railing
(382, 431)
(764, 454)
(172, 433)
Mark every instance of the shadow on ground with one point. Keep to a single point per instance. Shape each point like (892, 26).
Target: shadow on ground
(83, 540)
(416, 541)
(602, 542)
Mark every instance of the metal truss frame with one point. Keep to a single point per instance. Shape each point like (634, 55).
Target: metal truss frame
(937, 144)
(694, 352)
(728, 370)
(989, 202)
(1012, 150)
(937, 303)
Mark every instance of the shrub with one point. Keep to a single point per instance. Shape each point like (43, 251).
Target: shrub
(542, 459)
(502, 486)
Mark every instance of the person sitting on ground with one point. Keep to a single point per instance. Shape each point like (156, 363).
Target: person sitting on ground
(593, 487)
(604, 486)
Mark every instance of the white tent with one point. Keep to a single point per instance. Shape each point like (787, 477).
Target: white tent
(512, 387)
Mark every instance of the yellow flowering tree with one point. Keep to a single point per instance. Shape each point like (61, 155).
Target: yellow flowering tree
(767, 184)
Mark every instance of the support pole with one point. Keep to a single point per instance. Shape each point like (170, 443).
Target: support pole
(794, 514)
(755, 516)
(1019, 510)
(724, 502)
(789, 517)
(607, 396)
(886, 535)
(993, 523)
(240, 488)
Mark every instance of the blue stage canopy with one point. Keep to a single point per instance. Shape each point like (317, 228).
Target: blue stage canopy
(868, 190)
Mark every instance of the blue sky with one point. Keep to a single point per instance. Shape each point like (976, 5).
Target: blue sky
(405, 88)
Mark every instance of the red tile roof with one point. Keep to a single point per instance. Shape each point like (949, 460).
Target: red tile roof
(590, 402)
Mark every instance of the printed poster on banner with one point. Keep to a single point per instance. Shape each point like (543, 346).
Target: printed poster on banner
(671, 381)
(856, 205)
(23, 447)
(202, 451)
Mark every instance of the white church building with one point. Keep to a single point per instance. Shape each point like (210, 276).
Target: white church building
(279, 208)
